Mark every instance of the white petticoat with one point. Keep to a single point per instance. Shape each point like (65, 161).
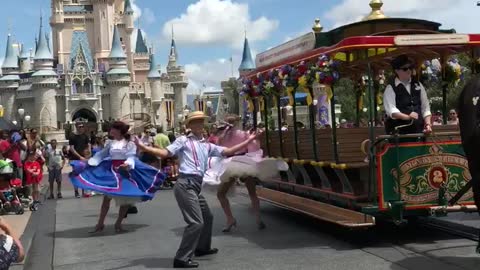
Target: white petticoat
(248, 165)
(123, 201)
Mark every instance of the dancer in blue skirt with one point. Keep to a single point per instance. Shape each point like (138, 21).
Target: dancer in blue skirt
(116, 172)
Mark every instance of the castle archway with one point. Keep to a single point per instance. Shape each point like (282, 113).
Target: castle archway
(88, 116)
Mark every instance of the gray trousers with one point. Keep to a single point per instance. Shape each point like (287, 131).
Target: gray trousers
(197, 215)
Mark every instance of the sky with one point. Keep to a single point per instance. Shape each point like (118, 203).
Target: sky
(209, 32)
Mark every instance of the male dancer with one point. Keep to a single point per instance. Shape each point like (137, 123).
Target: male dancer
(193, 152)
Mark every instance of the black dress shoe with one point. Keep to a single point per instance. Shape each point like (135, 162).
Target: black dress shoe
(199, 253)
(182, 264)
(132, 210)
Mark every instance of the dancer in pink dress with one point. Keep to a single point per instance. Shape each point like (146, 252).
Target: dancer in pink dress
(247, 164)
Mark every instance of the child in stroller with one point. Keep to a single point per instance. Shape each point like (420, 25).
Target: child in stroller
(9, 199)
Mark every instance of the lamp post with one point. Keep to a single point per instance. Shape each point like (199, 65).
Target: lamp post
(21, 114)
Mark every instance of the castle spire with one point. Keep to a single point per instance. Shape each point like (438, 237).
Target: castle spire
(117, 50)
(140, 46)
(247, 63)
(173, 56)
(128, 8)
(11, 59)
(42, 53)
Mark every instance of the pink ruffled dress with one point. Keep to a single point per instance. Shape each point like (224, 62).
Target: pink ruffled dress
(247, 162)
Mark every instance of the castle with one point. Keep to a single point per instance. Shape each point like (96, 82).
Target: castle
(90, 71)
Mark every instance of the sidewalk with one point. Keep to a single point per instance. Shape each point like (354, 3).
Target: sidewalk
(23, 226)
(19, 223)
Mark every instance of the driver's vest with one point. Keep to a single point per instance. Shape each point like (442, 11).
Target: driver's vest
(406, 103)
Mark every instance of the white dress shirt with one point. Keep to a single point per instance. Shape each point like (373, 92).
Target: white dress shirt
(390, 103)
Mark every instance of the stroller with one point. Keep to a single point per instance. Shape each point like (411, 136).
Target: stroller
(10, 202)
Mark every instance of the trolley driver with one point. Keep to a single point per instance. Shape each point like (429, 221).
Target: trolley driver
(406, 100)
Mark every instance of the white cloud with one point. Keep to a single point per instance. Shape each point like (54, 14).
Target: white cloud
(148, 16)
(137, 11)
(210, 73)
(450, 13)
(218, 22)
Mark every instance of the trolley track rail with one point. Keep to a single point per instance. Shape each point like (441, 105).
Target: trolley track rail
(450, 227)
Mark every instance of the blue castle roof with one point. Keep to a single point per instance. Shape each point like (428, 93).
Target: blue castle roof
(153, 73)
(247, 61)
(140, 46)
(117, 50)
(11, 58)
(42, 53)
(80, 42)
(128, 7)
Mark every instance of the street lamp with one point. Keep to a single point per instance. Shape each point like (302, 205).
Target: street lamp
(21, 113)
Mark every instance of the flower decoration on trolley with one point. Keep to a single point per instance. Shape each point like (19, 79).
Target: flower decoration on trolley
(292, 78)
(454, 72)
(430, 71)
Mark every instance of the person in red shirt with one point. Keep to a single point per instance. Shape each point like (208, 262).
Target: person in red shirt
(10, 148)
(33, 174)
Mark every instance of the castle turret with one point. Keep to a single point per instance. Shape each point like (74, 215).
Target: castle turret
(177, 80)
(9, 82)
(44, 85)
(24, 60)
(156, 91)
(128, 21)
(128, 11)
(141, 60)
(118, 78)
(172, 57)
(247, 65)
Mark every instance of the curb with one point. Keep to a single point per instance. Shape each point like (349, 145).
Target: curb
(29, 233)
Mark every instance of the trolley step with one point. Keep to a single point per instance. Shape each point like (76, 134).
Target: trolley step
(337, 215)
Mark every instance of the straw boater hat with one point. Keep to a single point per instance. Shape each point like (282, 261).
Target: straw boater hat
(197, 115)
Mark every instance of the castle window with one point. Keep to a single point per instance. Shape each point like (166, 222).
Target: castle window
(87, 86)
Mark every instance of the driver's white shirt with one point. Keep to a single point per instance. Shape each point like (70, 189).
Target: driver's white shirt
(391, 106)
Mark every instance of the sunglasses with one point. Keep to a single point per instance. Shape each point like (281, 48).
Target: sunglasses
(406, 68)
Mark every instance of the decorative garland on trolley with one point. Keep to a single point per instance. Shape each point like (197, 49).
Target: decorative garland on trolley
(291, 78)
(431, 72)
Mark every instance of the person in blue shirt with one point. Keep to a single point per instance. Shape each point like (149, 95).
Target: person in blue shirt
(193, 151)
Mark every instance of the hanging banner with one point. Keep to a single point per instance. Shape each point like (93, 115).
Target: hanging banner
(320, 94)
(289, 49)
(431, 39)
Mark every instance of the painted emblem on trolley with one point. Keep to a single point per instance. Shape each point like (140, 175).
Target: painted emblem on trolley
(437, 176)
(423, 175)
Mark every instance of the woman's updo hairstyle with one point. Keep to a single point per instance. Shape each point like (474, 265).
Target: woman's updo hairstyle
(123, 128)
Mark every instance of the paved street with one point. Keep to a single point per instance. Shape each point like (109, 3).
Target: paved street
(291, 241)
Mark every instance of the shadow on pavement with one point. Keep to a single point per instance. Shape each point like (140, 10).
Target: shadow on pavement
(149, 263)
(84, 232)
(467, 262)
(316, 233)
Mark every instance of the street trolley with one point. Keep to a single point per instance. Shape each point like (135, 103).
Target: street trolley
(353, 176)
